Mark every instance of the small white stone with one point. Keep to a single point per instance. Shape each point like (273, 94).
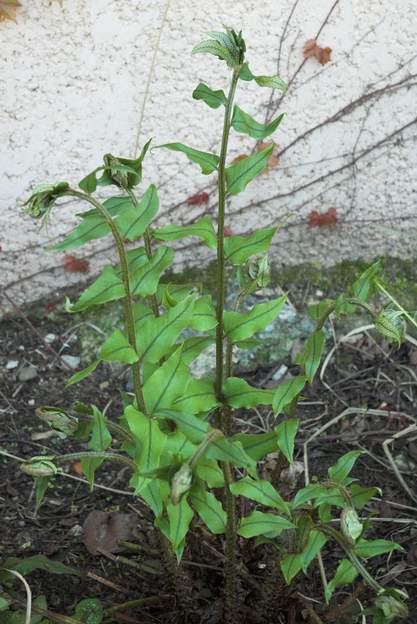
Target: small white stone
(71, 360)
(50, 338)
(31, 402)
(12, 364)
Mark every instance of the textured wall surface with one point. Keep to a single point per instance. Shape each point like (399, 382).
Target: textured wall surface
(86, 77)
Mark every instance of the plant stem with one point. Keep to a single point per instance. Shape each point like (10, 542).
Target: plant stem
(129, 316)
(148, 248)
(220, 235)
(230, 552)
(120, 459)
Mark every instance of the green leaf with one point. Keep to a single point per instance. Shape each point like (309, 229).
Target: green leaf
(260, 491)
(361, 495)
(100, 440)
(257, 445)
(238, 393)
(157, 335)
(286, 393)
(107, 287)
(223, 449)
(89, 183)
(372, 548)
(345, 574)
(151, 442)
(209, 509)
(244, 171)
(214, 99)
(143, 214)
(29, 564)
(166, 384)
(228, 46)
(260, 523)
(310, 354)
(180, 517)
(204, 317)
(41, 484)
(199, 397)
(117, 349)
(145, 280)
(202, 229)
(273, 82)
(286, 432)
(207, 161)
(155, 495)
(192, 427)
(239, 248)
(208, 470)
(93, 224)
(362, 287)
(291, 564)
(315, 542)
(123, 172)
(242, 326)
(390, 324)
(192, 347)
(77, 377)
(343, 466)
(310, 492)
(89, 611)
(242, 122)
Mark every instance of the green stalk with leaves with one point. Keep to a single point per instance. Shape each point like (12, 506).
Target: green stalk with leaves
(176, 433)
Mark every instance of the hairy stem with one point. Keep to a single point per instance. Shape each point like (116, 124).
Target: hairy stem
(120, 459)
(223, 414)
(127, 301)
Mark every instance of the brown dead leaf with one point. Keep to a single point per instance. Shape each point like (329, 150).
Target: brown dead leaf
(103, 531)
(312, 49)
(8, 10)
(320, 219)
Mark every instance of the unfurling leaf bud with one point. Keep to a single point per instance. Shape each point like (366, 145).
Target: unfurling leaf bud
(390, 602)
(390, 324)
(39, 467)
(350, 524)
(41, 202)
(58, 419)
(259, 271)
(228, 46)
(181, 483)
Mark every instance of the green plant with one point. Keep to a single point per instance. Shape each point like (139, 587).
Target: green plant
(177, 433)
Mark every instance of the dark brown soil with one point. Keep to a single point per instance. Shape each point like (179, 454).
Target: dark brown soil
(361, 375)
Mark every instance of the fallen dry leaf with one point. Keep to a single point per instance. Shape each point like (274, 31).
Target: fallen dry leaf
(320, 219)
(239, 158)
(8, 10)
(103, 531)
(198, 199)
(312, 49)
(75, 265)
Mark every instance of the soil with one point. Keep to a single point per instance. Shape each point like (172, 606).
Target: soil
(361, 374)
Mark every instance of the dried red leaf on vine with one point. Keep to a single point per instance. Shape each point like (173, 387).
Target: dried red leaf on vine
(312, 49)
(198, 199)
(227, 232)
(75, 265)
(8, 9)
(320, 219)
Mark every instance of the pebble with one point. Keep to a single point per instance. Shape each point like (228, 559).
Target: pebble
(31, 402)
(27, 373)
(50, 338)
(12, 364)
(72, 361)
(280, 373)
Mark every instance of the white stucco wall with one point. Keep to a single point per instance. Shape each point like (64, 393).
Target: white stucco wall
(74, 85)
